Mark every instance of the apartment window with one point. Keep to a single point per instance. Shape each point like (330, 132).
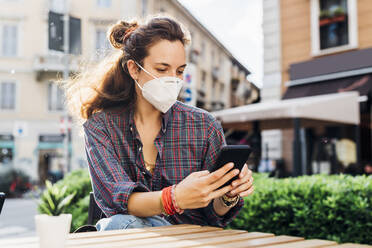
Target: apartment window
(104, 3)
(213, 58)
(202, 50)
(334, 25)
(7, 95)
(102, 43)
(55, 97)
(204, 76)
(144, 7)
(9, 40)
(214, 90)
(222, 91)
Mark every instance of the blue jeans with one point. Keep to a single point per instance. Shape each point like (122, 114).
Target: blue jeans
(122, 221)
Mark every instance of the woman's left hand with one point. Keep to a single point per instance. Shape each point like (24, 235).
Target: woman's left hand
(244, 185)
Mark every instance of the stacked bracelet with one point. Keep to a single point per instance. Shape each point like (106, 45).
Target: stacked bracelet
(229, 202)
(178, 210)
(168, 201)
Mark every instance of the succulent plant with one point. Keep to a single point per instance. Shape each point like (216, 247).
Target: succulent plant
(53, 200)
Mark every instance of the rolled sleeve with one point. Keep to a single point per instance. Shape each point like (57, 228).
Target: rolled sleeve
(215, 141)
(111, 184)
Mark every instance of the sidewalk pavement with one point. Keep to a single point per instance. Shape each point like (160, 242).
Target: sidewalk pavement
(17, 218)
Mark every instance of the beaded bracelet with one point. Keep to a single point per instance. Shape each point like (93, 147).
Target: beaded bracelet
(168, 201)
(178, 210)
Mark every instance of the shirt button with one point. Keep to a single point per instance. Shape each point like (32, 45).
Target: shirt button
(131, 129)
(140, 149)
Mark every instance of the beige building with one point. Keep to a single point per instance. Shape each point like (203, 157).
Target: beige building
(316, 47)
(31, 104)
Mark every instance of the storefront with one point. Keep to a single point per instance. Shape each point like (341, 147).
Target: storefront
(50, 150)
(295, 116)
(7, 149)
(349, 71)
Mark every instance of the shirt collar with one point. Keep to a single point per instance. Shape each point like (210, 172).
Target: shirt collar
(164, 123)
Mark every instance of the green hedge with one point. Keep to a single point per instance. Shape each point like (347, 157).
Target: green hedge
(77, 182)
(326, 207)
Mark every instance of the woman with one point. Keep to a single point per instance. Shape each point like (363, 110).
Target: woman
(148, 154)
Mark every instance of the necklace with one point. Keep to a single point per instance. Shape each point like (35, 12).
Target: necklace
(150, 167)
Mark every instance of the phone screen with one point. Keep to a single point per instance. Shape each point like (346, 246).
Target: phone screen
(238, 154)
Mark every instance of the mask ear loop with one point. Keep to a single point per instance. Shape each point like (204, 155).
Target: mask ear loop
(138, 84)
(144, 69)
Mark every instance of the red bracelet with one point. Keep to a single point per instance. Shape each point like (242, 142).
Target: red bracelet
(178, 210)
(167, 201)
(163, 198)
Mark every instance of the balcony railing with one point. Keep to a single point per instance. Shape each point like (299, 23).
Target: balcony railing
(54, 63)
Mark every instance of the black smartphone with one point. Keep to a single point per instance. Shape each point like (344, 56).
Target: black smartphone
(2, 199)
(238, 154)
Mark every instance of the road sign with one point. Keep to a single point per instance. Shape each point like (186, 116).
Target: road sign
(20, 129)
(189, 89)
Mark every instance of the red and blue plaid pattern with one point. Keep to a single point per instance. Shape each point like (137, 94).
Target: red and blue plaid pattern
(189, 141)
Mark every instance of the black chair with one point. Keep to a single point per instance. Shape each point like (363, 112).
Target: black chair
(2, 199)
(94, 214)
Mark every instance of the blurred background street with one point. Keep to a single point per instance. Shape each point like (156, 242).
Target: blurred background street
(290, 78)
(17, 218)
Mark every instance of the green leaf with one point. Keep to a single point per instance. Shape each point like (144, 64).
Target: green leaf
(45, 209)
(65, 202)
(50, 201)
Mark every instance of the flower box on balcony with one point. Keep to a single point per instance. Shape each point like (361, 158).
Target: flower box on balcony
(330, 20)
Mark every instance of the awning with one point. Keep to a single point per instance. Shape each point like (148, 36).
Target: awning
(361, 83)
(313, 111)
(51, 146)
(7, 144)
(351, 61)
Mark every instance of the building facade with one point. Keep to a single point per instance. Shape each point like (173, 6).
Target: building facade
(33, 127)
(320, 47)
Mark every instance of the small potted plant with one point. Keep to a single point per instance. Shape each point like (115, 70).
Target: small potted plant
(339, 14)
(53, 225)
(339, 11)
(324, 17)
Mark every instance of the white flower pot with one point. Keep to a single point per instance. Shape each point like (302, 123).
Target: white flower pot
(52, 230)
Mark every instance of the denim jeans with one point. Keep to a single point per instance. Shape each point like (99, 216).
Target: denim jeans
(121, 221)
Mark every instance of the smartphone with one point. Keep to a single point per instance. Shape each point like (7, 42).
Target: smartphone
(238, 154)
(2, 199)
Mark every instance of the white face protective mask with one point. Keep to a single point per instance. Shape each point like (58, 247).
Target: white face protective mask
(161, 92)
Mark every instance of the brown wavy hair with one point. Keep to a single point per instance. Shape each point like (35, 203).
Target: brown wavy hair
(108, 84)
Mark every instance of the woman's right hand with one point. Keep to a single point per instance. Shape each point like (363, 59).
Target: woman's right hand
(198, 189)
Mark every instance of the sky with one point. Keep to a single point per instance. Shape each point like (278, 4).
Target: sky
(237, 24)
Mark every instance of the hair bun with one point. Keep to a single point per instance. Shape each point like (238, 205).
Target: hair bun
(119, 32)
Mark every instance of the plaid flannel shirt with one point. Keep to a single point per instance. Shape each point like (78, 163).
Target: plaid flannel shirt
(189, 141)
